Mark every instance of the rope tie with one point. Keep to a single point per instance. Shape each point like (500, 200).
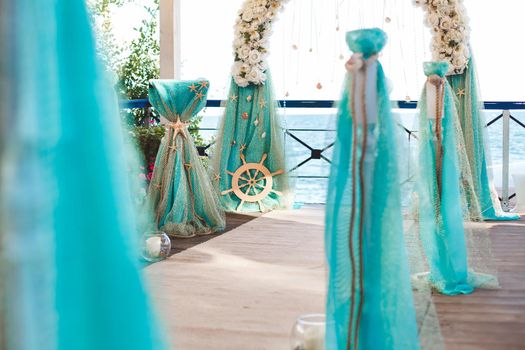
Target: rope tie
(439, 83)
(357, 65)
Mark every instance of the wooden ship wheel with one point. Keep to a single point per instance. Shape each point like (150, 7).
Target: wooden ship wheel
(252, 182)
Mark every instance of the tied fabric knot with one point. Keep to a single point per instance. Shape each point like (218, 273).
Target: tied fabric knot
(436, 80)
(357, 62)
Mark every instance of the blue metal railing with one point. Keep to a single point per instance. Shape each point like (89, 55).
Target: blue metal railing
(498, 105)
(317, 154)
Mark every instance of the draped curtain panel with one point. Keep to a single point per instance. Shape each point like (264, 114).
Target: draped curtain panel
(68, 238)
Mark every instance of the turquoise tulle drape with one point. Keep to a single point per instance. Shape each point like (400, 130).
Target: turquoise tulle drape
(181, 195)
(440, 191)
(251, 127)
(370, 302)
(72, 278)
(469, 107)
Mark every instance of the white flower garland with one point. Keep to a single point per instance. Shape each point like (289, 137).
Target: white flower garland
(252, 33)
(451, 33)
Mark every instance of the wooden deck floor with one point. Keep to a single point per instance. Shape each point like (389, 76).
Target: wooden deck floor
(243, 290)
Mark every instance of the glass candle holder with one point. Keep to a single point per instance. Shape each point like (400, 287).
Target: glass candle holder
(156, 246)
(308, 332)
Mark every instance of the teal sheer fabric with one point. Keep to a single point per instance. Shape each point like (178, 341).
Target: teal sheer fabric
(440, 212)
(370, 302)
(68, 238)
(181, 195)
(252, 128)
(469, 107)
(441, 191)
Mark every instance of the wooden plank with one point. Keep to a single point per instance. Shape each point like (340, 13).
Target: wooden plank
(244, 289)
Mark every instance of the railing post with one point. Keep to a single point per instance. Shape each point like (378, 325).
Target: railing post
(506, 160)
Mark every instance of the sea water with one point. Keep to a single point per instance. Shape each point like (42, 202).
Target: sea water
(314, 129)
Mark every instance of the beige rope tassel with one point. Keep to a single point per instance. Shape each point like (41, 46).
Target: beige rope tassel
(439, 83)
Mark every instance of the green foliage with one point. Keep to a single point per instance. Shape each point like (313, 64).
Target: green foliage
(135, 65)
(109, 50)
(148, 140)
(142, 63)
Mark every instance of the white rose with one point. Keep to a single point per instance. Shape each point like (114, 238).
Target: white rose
(454, 35)
(242, 82)
(236, 68)
(243, 52)
(446, 24)
(444, 11)
(239, 42)
(270, 15)
(247, 14)
(254, 26)
(245, 67)
(459, 62)
(259, 10)
(244, 27)
(254, 57)
(433, 20)
(256, 76)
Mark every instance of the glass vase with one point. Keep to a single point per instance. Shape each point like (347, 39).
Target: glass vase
(156, 246)
(308, 332)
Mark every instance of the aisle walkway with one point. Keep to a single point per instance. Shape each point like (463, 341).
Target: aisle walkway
(243, 290)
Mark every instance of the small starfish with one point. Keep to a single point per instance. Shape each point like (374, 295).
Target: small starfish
(193, 88)
(217, 177)
(204, 84)
(173, 148)
(199, 95)
(243, 147)
(234, 98)
(178, 127)
(461, 92)
(262, 103)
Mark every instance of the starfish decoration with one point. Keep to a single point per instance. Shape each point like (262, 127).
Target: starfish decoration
(204, 84)
(199, 95)
(262, 103)
(188, 166)
(243, 147)
(217, 177)
(173, 148)
(178, 128)
(461, 92)
(234, 98)
(193, 88)
(157, 186)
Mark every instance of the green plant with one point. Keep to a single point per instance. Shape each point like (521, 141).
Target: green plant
(108, 48)
(141, 65)
(148, 140)
(135, 65)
